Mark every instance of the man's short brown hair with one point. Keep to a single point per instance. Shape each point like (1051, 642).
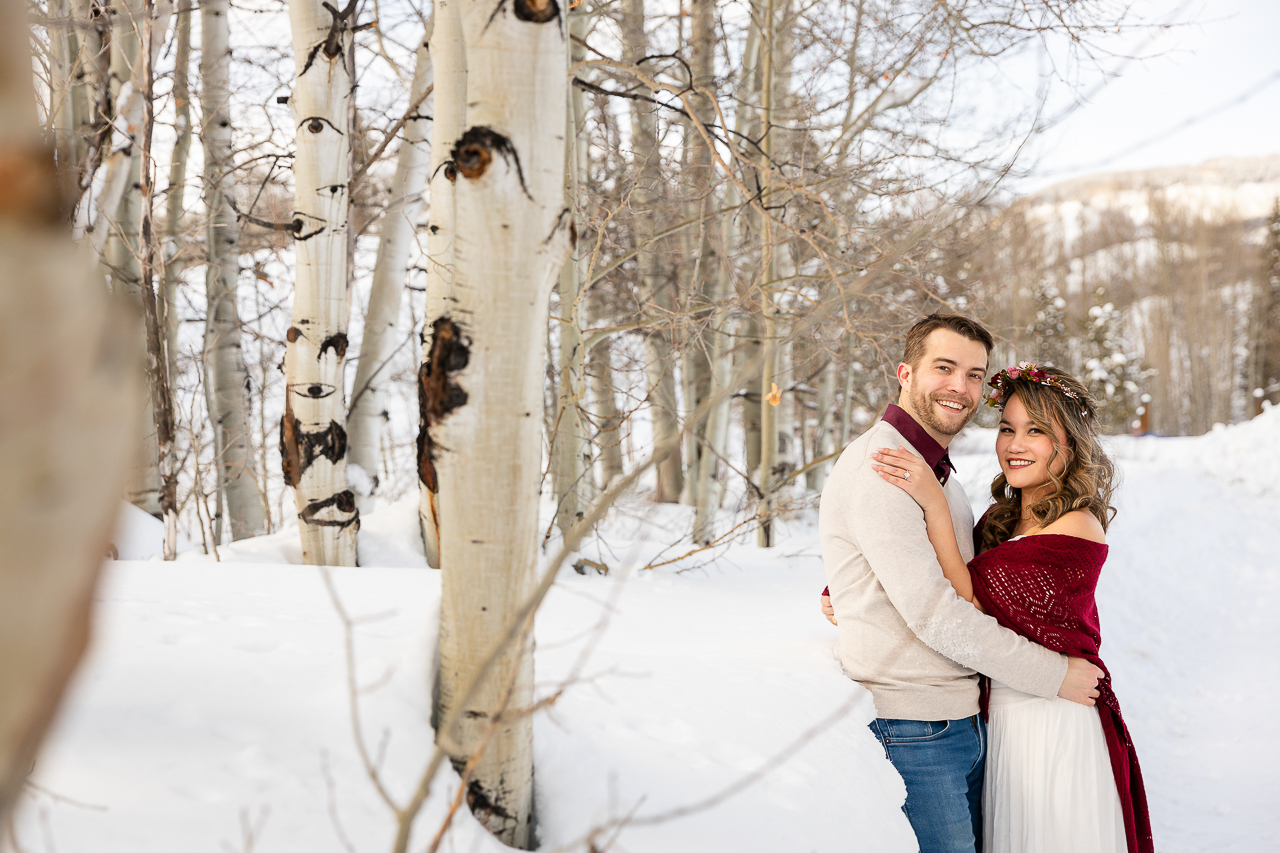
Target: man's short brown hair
(913, 351)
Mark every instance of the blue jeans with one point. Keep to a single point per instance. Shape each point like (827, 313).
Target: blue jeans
(941, 762)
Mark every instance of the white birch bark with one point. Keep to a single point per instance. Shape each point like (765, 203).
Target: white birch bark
(484, 379)
(768, 310)
(89, 89)
(712, 435)
(174, 258)
(224, 357)
(449, 62)
(96, 208)
(382, 329)
(117, 234)
(571, 446)
(68, 399)
(313, 434)
(63, 53)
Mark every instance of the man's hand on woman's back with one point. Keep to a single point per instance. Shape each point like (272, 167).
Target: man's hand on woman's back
(827, 610)
(1081, 684)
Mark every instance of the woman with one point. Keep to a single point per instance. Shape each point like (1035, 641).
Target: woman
(1060, 776)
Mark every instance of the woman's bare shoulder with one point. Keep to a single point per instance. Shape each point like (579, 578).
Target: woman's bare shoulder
(1079, 523)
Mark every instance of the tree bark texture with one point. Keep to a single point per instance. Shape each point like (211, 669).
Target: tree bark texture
(448, 56)
(174, 259)
(768, 308)
(68, 401)
(117, 233)
(157, 353)
(655, 293)
(712, 366)
(224, 357)
(571, 444)
(483, 382)
(313, 433)
(382, 326)
(121, 86)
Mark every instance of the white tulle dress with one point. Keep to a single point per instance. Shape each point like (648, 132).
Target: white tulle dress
(1049, 785)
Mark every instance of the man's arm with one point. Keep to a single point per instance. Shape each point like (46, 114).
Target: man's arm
(1080, 684)
(889, 528)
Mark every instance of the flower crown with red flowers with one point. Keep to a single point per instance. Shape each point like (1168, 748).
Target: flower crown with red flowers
(1031, 372)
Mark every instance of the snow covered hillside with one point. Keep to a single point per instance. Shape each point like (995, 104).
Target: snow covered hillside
(698, 706)
(1242, 188)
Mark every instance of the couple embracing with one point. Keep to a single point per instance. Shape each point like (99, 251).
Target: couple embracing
(1036, 758)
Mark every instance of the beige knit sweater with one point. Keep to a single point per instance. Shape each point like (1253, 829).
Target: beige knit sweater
(904, 633)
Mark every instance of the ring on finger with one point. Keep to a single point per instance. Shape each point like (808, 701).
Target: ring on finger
(906, 475)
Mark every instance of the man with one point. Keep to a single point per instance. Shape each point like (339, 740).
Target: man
(904, 633)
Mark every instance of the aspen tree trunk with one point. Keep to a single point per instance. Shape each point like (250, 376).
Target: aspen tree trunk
(118, 230)
(121, 85)
(714, 360)
(823, 438)
(226, 376)
(91, 95)
(63, 56)
(608, 437)
(768, 310)
(449, 62)
(571, 447)
(382, 330)
(157, 355)
(704, 280)
(68, 398)
(483, 380)
(174, 259)
(746, 124)
(846, 413)
(654, 291)
(313, 434)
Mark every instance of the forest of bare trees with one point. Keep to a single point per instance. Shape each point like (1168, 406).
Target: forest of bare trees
(492, 255)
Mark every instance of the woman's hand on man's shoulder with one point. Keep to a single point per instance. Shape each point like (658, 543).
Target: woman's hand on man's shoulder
(1079, 523)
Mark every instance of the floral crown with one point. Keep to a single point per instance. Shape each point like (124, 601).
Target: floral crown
(1030, 372)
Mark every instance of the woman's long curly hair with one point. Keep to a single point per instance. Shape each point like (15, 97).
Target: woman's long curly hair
(1086, 482)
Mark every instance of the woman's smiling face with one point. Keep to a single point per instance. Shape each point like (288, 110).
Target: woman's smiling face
(1025, 450)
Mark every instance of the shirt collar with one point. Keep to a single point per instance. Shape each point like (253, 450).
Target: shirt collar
(932, 452)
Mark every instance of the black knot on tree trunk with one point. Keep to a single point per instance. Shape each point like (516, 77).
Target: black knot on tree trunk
(336, 342)
(438, 392)
(537, 11)
(475, 150)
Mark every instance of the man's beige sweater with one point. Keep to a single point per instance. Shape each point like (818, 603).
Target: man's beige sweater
(904, 633)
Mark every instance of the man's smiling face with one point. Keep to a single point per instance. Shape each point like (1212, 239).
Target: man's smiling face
(942, 392)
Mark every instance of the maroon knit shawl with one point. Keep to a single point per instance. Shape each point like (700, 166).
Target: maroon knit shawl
(1042, 587)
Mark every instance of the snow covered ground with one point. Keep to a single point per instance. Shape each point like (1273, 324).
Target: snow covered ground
(702, 708)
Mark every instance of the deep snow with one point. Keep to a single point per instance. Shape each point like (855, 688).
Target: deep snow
(702, 707)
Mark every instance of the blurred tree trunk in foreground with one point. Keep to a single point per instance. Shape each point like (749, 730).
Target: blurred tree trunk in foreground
(68, 407)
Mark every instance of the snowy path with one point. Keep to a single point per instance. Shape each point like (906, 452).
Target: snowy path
(1190, 610)
(215, 695)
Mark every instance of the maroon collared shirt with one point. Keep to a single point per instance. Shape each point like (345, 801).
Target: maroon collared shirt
(935, 454)
(932, 452)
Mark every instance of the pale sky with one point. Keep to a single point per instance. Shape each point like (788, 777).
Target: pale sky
(1209, 88)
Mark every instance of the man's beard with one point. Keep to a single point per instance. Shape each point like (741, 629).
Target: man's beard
(923, 405)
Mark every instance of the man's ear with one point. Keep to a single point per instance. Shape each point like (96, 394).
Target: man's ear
(904, 374)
